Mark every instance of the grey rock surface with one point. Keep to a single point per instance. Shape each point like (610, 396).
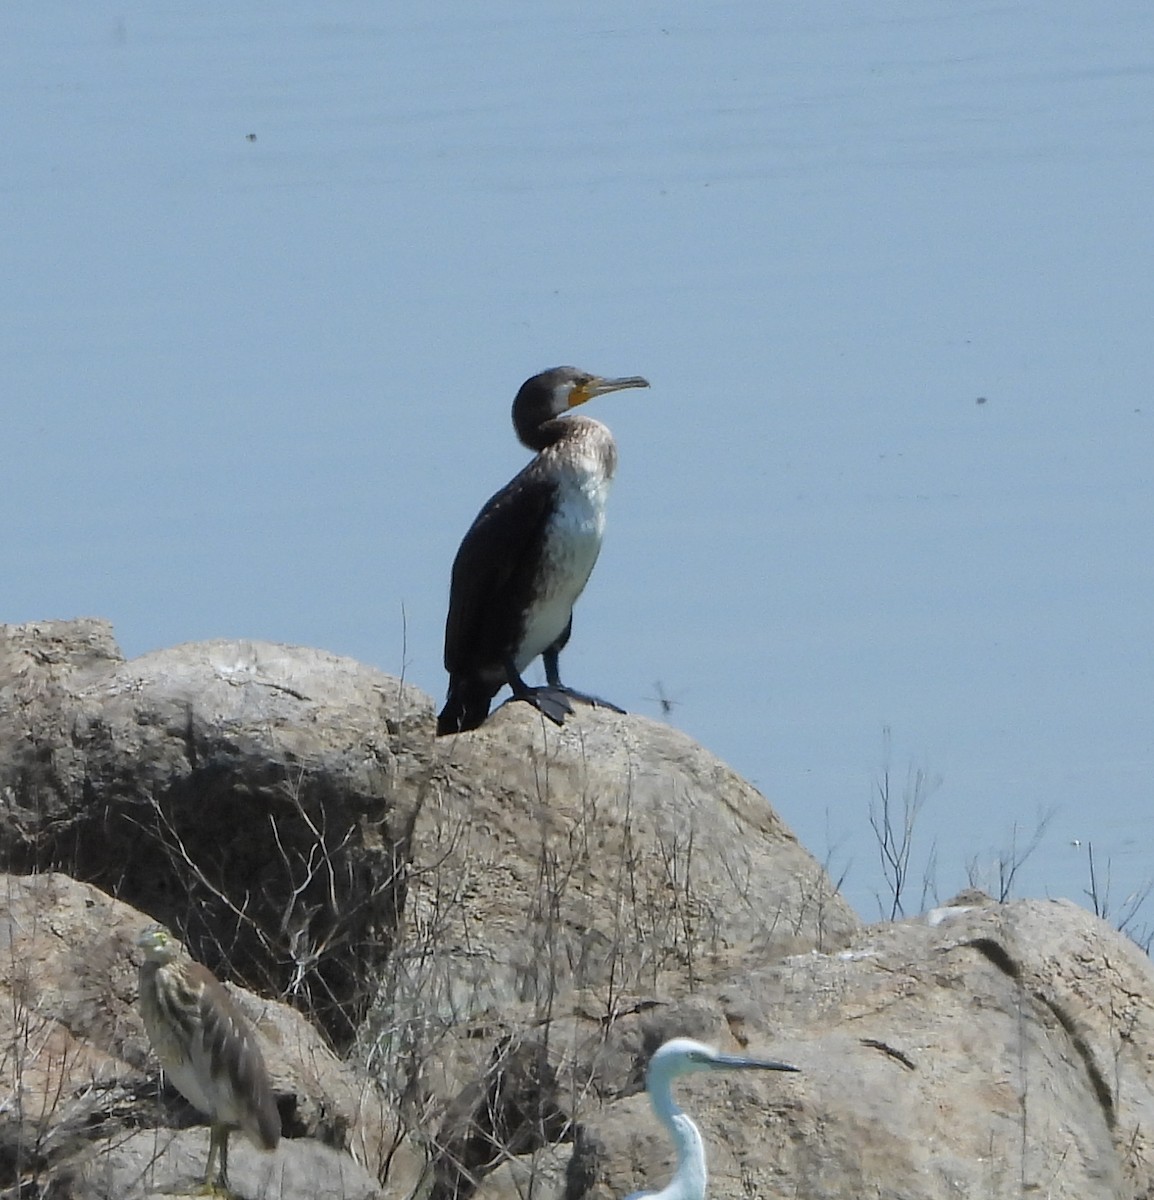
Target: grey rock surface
(1005, 1052)
(161, 1164)
(285, 810)
(495, 931)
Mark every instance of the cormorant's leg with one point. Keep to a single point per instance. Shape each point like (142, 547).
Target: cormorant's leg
(549, 701)
(553, 675)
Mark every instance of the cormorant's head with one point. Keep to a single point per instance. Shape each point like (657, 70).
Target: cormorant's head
(554, 392)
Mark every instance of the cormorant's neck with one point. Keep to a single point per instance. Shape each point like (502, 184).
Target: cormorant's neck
(547, 433)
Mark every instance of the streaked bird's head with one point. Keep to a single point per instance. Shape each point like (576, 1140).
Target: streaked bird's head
(159, 945)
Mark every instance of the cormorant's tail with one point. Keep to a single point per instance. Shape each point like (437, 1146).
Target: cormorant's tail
(467, 705)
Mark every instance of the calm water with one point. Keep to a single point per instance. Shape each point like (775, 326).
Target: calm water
(273, 275)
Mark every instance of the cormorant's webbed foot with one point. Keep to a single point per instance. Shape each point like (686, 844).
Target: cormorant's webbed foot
(549, 701)
(553, 675)
(585, 698)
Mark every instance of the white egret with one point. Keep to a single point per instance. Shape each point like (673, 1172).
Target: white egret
(683, 1056)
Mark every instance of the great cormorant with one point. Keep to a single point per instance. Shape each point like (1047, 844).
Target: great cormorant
(529, 553)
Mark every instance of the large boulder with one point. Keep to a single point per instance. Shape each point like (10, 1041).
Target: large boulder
(276, 806)
(253, 797)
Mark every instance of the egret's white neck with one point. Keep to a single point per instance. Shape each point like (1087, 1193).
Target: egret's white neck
(688, 1182)
(689, 1179)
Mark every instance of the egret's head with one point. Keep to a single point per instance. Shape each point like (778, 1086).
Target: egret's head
(684, 1056)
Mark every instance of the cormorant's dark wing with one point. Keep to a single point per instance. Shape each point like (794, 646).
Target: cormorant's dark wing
(494, 571)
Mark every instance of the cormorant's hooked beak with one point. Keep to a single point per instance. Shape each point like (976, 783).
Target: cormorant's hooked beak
(733, 1062)
(598, 387)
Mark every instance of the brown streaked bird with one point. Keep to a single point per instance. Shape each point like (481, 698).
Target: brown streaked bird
(529, 554)
(207, 1048)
